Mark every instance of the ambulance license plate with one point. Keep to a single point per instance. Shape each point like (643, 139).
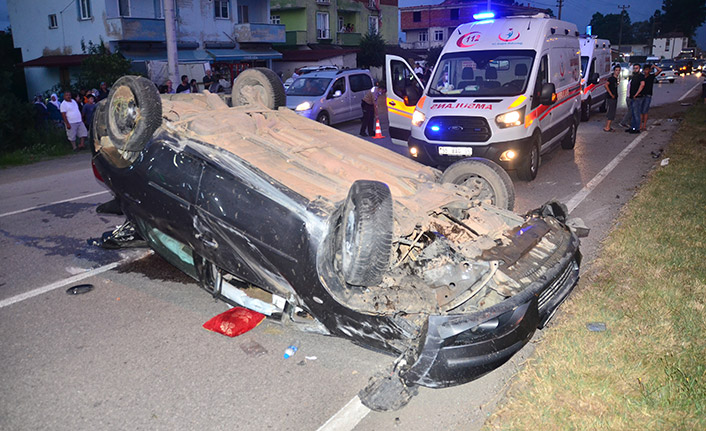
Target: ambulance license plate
(455, 151)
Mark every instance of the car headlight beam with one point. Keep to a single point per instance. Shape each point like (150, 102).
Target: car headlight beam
(511, 119)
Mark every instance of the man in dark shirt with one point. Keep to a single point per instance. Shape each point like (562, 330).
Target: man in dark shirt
(102, 92)
(208, 79)
(184, 86)
(637, 84)
(611, 102)
(647, 91)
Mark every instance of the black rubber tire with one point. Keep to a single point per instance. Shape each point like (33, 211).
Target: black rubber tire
(259, 85)
(366, 230)
(495, 184)
(324, 118)
(527, 171)
(99, 126)
(586, 110)
(568, 142)
(133, 113)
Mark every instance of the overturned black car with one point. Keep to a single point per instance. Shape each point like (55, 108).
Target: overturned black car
(340, 236)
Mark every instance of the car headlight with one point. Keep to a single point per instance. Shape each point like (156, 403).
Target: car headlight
(511, 119)
(418, 118)
(304, 106)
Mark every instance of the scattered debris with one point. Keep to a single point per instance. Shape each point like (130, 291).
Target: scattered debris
(386, 391)
(656, 154)
(310, 358)
(596, 326)
(79, 289)
(686, 104)
(291, 350)
(236, 321)
(253, 348)
(664, 162)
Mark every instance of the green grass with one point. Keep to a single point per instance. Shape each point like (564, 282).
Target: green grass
(50, 143)
(648, 370)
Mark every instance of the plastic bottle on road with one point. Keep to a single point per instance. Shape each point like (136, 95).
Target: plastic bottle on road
(291, 350)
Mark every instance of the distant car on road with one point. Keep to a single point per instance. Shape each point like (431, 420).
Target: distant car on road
(666, 75)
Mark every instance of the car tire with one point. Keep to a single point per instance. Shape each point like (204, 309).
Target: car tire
(99, 126)
(527, 171)
(366, 230)
(324, 118)
(568, 142)
(493, 183)
(258, 85)
(586, 110)
(133, 111)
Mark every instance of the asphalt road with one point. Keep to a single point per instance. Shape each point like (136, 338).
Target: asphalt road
(131, 354)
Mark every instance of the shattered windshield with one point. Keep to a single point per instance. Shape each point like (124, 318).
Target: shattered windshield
(482, 73)
(308, 87)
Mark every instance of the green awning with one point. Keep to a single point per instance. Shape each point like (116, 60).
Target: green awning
(219, 54)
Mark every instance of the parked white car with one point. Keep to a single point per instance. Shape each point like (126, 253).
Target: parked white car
(666, 75)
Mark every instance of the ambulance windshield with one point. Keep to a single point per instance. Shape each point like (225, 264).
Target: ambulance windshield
(482, 73)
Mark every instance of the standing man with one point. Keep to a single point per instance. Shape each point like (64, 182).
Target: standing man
(635, 88)
(368, 106)
(87, 112)
(184, 86)
(73, 121)
(647, 91)
(611, 86)
(208, 79)
(102, 92)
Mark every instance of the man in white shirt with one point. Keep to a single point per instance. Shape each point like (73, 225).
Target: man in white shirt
(73, 121)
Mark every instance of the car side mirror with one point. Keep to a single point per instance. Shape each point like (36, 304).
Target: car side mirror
(337, 93)
(411, 95)
(548, 94)
(594, 78)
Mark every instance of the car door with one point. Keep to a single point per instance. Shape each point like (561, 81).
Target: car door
(541, 115)
(359, 83)
(338, 104)
(402, 83)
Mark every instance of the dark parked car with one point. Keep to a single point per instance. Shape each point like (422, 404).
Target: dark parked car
(347, 238)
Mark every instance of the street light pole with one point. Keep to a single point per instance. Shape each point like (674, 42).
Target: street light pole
(170, 33)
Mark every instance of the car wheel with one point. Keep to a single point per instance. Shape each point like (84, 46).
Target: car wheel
(366, 233)
(527, 171)
(260, 86)
(491, 181)
(568, 142)
(98, 126)
(586, 110)
(324, 118)
(134, 112)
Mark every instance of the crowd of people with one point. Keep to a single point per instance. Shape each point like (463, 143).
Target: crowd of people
(214, 84)
(638, 97)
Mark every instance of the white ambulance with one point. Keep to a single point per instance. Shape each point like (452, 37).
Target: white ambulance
(595, 67)
(504, 89)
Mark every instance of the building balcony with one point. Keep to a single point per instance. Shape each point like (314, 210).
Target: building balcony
(295, 37)
(259, 33)
(349, 39)
(415, 45)
(135, 29)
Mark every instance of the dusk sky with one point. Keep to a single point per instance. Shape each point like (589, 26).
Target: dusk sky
(577, 11)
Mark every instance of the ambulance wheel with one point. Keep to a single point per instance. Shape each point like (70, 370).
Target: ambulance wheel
(492, 184)
(586, 110)
(568, 142)
(527, 171)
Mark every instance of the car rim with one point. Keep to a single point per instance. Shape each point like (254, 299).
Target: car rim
(484, 191)
(533, 159)
(125, 110)
(323, 119)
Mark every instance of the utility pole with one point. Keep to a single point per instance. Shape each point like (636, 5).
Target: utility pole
(170, 33)
(560, 3)
(620, 32)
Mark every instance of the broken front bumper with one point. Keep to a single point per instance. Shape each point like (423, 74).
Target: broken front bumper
(461, 348)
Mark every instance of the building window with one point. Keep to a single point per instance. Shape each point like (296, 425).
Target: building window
(373, 24)
(275, 19)
(423, 36)
(222, 9)
(124, 7)
(53, 23)
(417, 16)
(454, 13)
(322, 27)
(439, 35)
(84, 8)
(243, 17)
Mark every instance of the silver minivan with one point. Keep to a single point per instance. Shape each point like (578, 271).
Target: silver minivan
(330, 96)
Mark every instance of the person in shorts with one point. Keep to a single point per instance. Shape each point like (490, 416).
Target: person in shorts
(649, 79)
(611, 103)
(73, 121)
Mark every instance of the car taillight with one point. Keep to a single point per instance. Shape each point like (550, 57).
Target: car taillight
(95, 172)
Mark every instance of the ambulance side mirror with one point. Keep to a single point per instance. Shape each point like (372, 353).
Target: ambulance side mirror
(548, 94)
(594, 78)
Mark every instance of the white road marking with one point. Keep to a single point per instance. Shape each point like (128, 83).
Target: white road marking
(53, 203)
(690, 90)
(76, 278)
(347, 418)
(588, 188)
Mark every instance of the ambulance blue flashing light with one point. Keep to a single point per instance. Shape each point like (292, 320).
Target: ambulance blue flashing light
(484, 15)
(435, 128)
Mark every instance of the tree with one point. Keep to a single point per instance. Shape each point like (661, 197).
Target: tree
(372, 51)
(101, 65)
(683, 16)
(608, 27)
(433, 55)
